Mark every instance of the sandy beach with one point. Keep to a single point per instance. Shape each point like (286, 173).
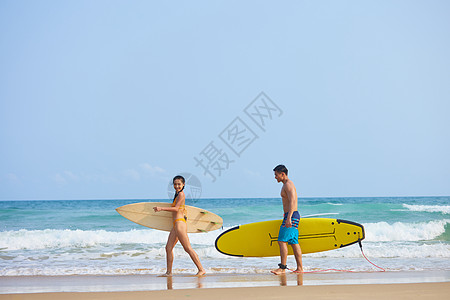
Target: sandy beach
(433, 291)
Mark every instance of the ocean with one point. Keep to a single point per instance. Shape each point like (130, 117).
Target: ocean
(88, 237)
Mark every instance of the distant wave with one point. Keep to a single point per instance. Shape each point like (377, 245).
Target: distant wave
(385, 232)
(58, 239)
(445, 209)
(414, 246)
(52, 238)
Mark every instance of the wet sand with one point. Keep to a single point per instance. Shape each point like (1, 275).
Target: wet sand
(408, 291)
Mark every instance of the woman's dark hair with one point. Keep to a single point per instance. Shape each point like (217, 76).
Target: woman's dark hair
(281, 169)
(179, 177)
(182, 180)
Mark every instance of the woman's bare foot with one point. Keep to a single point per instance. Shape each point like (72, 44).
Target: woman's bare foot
(278, 271)
(166, 274)
(201, 273)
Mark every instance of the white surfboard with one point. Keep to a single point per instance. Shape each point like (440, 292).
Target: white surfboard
(198, 220)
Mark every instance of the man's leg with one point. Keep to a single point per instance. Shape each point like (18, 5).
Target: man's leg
(298, 257)
(283, 255)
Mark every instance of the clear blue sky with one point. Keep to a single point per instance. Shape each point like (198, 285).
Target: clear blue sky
(111, 99)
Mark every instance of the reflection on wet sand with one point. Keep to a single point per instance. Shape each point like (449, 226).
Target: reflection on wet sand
(237, 280)
(283, 279)
(170, 282)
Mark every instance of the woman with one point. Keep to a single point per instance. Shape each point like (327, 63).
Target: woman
(179, 230)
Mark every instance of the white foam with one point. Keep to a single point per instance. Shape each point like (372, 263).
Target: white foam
(50, 238)
(71, 252)
(58, 239)
(393, 257)
(445, 209)
(389, 250)
(383, 231)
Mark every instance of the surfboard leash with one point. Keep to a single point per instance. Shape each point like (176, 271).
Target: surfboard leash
(336, 270)
(362, 252)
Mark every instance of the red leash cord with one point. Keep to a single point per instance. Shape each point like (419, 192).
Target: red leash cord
(348, 271)
(382, 270)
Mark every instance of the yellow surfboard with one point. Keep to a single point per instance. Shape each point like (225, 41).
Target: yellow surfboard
(315, 235)
(198, 220)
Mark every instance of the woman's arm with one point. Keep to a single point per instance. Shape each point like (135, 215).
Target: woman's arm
(180, 199)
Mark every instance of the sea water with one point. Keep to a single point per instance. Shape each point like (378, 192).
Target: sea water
(88, 237)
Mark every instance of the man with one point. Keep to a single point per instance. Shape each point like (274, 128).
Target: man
(289, 228)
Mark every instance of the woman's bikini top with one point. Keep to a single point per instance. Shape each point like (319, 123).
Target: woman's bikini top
(182, 207)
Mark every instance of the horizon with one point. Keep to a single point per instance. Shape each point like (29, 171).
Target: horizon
(214, 198)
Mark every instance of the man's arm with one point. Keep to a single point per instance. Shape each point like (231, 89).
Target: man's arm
(290, 192)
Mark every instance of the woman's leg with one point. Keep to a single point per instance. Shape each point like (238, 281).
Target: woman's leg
(171, 242)
(181, 230)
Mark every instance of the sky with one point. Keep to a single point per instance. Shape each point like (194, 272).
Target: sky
(112, 99)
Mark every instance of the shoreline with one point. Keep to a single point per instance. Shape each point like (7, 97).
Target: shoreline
(434, 291)
(21, 285)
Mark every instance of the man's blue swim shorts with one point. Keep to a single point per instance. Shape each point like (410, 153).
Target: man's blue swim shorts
(289, 235)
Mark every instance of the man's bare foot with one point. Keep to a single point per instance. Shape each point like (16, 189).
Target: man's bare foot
(200, 273)
(278, 271)
(298, 270)
(168, 274)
